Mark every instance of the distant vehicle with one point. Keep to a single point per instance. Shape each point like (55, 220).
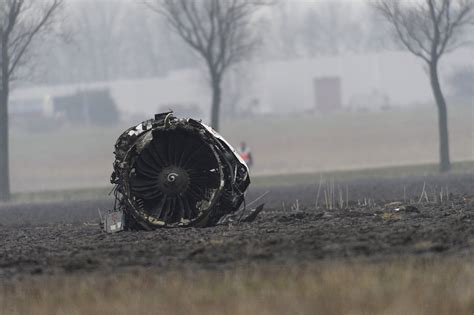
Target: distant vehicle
(96, 107)
(90, 107)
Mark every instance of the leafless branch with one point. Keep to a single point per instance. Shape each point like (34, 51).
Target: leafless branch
(429, 28)
(21, 21)
(219, 31)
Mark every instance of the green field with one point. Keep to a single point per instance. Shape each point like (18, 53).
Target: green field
(74, 158)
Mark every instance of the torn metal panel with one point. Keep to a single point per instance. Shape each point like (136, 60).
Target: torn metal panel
(176, 172)
(114, 222)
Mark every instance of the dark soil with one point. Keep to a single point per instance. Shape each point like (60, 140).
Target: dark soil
(59, 238)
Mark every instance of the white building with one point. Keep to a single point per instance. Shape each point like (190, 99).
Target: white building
(396, 78)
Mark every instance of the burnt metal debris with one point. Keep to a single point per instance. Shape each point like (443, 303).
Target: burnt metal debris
(171, 172)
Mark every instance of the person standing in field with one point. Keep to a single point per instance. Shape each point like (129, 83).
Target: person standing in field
(246, 154)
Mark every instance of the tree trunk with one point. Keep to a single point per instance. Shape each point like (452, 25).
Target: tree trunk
(216, 103)
(444, 163)
(4, 91)
(4, 165)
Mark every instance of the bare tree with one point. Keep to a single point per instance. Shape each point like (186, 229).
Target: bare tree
(21, 22)
(429, 29)
(222, 32)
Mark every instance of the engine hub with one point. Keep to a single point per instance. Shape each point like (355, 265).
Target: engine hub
(173, 180)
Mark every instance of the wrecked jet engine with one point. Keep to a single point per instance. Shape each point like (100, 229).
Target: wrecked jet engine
(173, 172)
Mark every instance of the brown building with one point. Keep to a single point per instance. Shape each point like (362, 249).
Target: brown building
(327, 94)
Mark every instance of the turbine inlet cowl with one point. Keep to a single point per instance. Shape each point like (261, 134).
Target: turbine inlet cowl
(176, 172)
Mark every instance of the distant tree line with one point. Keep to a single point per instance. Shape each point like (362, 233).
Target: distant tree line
(111, 40)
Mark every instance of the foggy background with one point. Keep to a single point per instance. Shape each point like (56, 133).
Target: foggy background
(326, 90)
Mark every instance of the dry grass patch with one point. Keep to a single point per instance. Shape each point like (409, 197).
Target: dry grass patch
(400, 287)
